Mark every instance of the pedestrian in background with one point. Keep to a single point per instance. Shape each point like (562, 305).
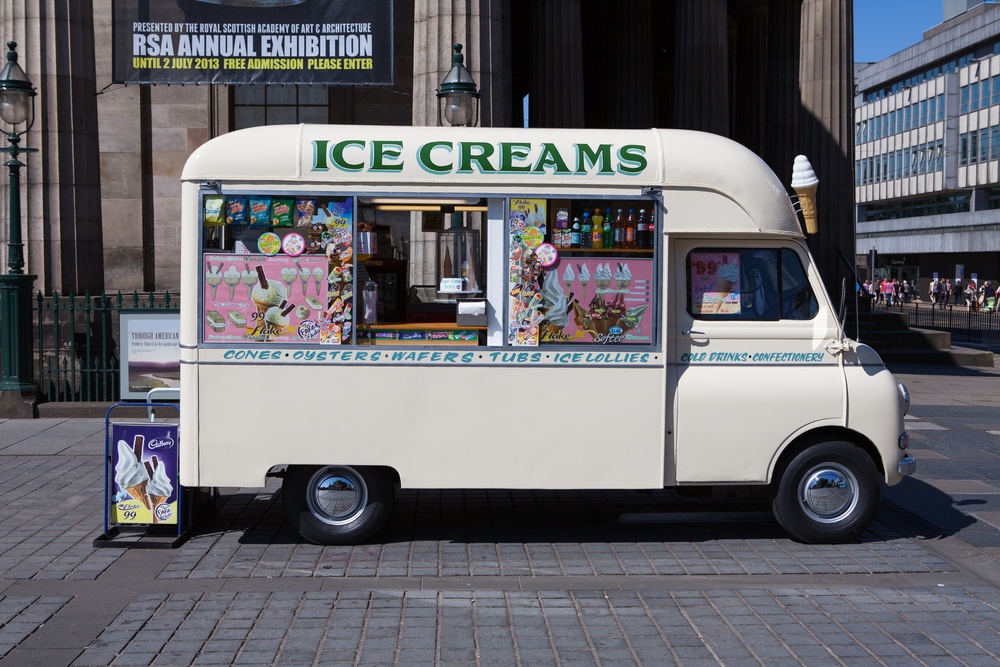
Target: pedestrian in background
(934, 291)
(889, 290)
(970, 295)
(946, 293)
(956, 291)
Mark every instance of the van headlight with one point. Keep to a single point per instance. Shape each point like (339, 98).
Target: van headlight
(904, 397)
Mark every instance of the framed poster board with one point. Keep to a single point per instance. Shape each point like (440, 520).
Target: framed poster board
(150, 354)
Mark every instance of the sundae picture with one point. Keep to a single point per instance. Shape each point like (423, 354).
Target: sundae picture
(267, 294)
(276, 320)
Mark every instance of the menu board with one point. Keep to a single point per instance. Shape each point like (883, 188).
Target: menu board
(715, 283)
(605, 301)
(277, 299)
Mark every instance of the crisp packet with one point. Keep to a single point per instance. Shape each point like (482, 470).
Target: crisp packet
(260, 211)
(213, 211)
(304, 211)
(281, 212)
(236, 211)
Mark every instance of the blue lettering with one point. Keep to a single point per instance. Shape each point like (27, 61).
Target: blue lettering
(468, 357)
(451, 357)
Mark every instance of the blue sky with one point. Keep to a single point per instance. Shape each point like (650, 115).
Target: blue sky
(885, 27)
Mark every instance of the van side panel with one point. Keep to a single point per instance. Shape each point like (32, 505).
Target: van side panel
(438, 427)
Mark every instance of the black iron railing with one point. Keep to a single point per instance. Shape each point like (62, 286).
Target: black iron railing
(77, 342)
(969, 326)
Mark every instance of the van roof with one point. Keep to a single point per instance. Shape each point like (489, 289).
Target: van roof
(554, 161)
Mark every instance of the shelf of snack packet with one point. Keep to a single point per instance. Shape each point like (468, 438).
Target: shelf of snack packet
(425, 333)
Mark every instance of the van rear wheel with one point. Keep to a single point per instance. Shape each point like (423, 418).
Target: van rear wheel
(827, 494)
(337, 504)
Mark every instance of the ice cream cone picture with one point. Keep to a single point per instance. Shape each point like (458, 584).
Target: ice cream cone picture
(727, 277)
(584, 273)
(214, 278)
(158, 490)
(304, 275)
(248, 278)
(130, 474)
(805, 183)
(232, 279)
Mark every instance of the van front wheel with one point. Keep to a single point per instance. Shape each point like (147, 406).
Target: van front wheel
(827, 494)
(337, 504)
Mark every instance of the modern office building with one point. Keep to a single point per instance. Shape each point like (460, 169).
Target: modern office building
(101, 198)
(927, 152)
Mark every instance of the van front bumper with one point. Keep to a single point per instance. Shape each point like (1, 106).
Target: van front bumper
(907, 465)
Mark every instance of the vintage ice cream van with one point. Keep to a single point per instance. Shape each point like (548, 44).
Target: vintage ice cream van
(366, 308)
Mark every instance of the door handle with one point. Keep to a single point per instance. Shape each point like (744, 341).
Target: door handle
(689, 332)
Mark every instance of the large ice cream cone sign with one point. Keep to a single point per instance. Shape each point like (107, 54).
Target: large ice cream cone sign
(805, 182)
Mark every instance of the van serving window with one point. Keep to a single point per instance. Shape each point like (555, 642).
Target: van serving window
(338, 269)
(748, 284)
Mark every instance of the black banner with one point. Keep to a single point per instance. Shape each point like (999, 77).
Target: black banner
(328, 42)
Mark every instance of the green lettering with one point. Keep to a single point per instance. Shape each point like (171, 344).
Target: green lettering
(386, 150)
(337, 155)
(587, 158)
(319, 156)
(550, 157)
(478, 152)
(511, 152)
(428, 164)
(632, 159)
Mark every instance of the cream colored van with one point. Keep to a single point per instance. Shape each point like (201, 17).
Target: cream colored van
(366, 308)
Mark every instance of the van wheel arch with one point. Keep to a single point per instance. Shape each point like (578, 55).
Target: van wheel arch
(338, 504)
(826, 489)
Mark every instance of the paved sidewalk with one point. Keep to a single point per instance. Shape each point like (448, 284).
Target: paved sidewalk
(515, 578)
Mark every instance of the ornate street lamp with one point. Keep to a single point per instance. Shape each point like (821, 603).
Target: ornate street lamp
(17, 106)
(457, 91)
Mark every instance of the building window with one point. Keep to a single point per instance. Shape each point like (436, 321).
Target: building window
(965, 99)
(274, 105)
(974, 96)
(996, 89)
(963, 150)
(984, 144)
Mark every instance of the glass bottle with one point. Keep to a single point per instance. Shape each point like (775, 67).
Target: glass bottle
(609, 229)
(642, 231)
(574, 234)
(630, 229)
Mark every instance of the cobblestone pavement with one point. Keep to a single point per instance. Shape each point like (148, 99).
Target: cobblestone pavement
(515, 578)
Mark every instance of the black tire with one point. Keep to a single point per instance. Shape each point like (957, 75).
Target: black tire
(337, 504)
(827, 494)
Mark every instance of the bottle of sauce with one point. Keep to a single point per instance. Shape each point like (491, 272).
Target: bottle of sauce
(586, 231)
(597, 220)
(574, 233)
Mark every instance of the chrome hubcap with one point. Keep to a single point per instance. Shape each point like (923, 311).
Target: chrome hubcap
(828, 493)
(337, 496)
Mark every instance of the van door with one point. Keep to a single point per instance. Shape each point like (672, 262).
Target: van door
(749, 343)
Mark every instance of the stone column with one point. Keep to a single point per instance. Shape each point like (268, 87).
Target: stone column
(631, 90)
(783, 98)
(61, 209)
(702, 66)
(478, 26)
(825, 134)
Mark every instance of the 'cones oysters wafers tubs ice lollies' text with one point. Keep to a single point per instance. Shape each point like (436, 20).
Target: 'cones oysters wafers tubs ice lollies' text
(805, 182)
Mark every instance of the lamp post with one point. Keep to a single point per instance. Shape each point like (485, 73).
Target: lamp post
(456, 93)
(17, 106)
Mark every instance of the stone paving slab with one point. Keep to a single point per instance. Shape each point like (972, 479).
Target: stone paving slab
(21, 615)
(797, 626)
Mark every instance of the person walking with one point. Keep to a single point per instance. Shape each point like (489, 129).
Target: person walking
(970, 295)
(956, 292)
(889, 291)
(934, 292)
(989, 297)
(946, 293)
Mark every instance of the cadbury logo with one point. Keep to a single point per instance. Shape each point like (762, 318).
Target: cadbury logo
(160, 443)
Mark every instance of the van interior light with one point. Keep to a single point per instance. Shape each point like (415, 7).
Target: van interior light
(419, 201)
(406, 207)
(471, 209)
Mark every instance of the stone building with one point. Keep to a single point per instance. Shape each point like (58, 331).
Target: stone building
(101, 198)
